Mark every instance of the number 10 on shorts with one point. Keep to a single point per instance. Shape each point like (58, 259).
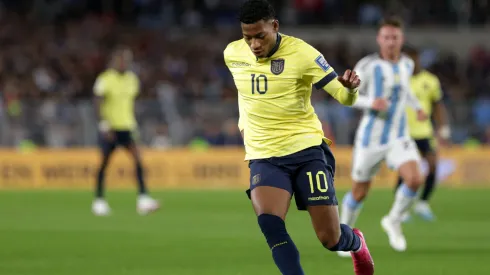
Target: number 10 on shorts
(320, 179)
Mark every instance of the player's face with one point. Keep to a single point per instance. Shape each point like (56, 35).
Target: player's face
(261, 36)
(123, 60)
(390, 40)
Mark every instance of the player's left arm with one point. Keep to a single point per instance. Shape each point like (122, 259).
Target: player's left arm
(139, 86)
(318, 72)
(440, 112)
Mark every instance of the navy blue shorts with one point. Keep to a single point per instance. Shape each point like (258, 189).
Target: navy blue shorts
(425, 146)
(121, 138)
(308, 175)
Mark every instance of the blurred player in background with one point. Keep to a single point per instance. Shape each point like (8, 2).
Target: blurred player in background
(382, 133)
(427, 89)
(115, 90)
(284, 142)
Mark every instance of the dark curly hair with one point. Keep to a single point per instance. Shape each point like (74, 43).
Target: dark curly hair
(253, 11)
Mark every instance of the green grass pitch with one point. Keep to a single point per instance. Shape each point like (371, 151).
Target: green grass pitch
(215, 232)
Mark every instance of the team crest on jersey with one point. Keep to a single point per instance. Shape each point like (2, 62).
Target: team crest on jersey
(320, 61)
(277, 66)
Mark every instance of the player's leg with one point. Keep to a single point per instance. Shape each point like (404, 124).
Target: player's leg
(404, 157)
(423, 145)
(100, 207)
(314, 190)
(145, 203)
(365, 164)
(422, 207)
(270, 192)
(399, 182)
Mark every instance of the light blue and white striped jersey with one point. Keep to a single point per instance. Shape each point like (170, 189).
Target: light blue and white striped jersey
(382, 78)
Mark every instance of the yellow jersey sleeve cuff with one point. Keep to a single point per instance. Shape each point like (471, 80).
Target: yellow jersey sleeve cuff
(325, 80)
(343, 95)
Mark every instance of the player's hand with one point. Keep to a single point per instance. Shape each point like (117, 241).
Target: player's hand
(422, 116)
(380, 104)
(350, 80)
(444, 135)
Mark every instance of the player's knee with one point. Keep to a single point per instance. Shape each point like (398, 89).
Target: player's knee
(271, 224)
(413, 181)
(329, 237)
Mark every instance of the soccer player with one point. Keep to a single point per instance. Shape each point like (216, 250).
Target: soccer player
(427, 88)
(382, 133)
(115, 90)
(284, 142)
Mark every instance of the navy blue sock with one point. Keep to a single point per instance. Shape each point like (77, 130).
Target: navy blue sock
(99, 190)
(284, 252)
(348, 240)
(140, 178)
(430, 183)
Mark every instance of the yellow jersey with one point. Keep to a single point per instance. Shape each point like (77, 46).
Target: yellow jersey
(119, 91)
(427, 89)
(276, 115)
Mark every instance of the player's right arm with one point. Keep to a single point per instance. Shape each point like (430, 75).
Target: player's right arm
(242, 116)
(100, 91)
(241, 120)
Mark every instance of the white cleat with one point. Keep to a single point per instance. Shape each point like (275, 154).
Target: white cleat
(423, 209)
(406, 217)
(101, 208)
(344, 254)
(146, 205)
(395, 235)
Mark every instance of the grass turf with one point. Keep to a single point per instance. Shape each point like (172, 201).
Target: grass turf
(215, 232)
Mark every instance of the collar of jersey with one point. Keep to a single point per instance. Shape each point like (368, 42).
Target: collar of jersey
(391, 62)
(276, 47)
(118, 72)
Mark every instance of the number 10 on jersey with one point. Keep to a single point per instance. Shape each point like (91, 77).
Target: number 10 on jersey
(259, 84)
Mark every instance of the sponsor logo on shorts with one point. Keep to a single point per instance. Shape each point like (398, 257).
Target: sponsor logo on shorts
(319, 198)
(256, 179)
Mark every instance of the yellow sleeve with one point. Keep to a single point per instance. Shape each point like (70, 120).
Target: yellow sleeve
(226, 53)
(318, 72)
(241, 118)
(100, 86)
(436, 90)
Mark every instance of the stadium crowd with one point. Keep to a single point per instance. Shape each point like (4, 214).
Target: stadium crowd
(51, 54)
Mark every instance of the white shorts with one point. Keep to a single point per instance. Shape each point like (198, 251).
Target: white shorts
(367, 160)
